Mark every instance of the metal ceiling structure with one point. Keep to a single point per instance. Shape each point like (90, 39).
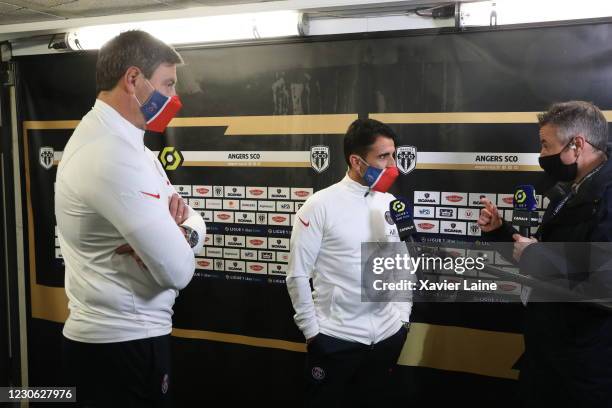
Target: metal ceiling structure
(30, 11)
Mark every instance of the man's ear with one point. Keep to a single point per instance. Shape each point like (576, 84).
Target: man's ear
(579, 142)
(128, 80)
(354, 162)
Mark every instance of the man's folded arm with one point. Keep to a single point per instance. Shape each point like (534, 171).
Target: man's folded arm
(142, 217)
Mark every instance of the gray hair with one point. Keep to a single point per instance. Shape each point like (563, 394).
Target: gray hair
(575, 118)
(131, 48)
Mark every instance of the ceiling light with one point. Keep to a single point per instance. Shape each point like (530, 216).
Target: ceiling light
(196, 30)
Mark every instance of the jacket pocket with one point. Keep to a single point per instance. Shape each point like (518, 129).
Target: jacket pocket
(337, 306)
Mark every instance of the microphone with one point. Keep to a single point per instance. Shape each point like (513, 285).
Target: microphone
(399, 209)
(401, 216)
(524, 214)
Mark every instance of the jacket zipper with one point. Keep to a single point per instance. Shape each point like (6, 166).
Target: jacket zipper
(372, 329)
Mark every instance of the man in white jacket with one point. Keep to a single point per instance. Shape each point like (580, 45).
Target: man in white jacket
(127, 238)
(353, 346)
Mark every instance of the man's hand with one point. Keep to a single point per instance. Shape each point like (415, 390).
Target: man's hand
(178, 209)
(127, 249)
(489, 219)
(520, 243)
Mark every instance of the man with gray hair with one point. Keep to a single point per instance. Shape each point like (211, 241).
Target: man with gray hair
(127, 237)
(568, 346)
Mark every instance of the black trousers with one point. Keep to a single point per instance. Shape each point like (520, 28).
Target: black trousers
(341, 373)
(125, 374)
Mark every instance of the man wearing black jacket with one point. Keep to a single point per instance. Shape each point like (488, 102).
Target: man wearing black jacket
(568, 346)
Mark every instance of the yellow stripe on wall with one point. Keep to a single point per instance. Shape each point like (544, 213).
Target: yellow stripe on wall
(49, 124)
(273, 125)
(321, 124)
(456, 117)
(449, 348)
(240, 339)
(452, 348)
(462, 117)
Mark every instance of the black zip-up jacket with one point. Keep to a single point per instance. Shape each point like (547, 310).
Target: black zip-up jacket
(568, 346)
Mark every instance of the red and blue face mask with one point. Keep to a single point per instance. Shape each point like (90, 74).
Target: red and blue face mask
(159, 110)
(380, 179)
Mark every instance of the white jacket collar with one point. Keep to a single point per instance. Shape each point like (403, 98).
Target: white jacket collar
(354, 186)
(122, 126)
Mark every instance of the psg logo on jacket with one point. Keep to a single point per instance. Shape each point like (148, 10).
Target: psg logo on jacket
(318, 373)
(389, 219)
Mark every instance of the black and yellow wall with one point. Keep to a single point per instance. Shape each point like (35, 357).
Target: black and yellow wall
(234, 340)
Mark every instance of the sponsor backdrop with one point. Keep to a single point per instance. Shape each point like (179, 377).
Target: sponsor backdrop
(261, 131)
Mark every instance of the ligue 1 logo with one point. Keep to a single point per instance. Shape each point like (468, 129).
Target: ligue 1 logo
(319, 158)
(170, 158)
(398, 206)
(520, 196)
(525, 198)
(406, 159)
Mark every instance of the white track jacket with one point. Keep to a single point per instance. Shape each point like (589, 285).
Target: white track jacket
(111, 190)
(326, 246)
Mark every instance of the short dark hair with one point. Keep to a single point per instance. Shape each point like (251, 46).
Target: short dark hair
(577, 117)
(131, 48)
(362, 134)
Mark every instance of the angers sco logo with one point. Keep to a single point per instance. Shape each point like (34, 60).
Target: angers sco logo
(45, 157)
(406, 158)
(319, 158)
(170, 158)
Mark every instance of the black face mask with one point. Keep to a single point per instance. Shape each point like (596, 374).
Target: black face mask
(554, 167)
